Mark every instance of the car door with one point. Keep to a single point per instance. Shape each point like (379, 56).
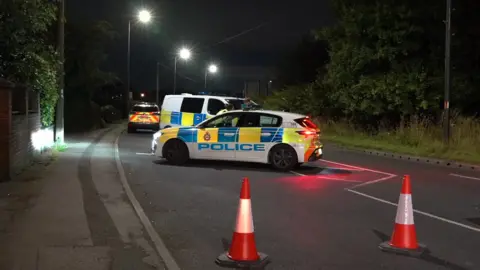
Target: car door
(256, 135)
(216, 139)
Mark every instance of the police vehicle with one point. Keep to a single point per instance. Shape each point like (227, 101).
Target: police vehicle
(144, 116)
(187, 109)
(284, 140)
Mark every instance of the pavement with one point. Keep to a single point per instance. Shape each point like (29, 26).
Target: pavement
(331, 214)
(71, 212)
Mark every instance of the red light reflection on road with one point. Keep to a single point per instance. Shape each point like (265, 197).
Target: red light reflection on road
(316, 182)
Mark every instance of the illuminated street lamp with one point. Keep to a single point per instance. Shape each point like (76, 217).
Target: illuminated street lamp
(185, 54)
(142, 95)
(211, 69)
(144, 16)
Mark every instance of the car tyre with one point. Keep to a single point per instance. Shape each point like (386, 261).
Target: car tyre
(283, 157)
(176, 152)
(131, 130)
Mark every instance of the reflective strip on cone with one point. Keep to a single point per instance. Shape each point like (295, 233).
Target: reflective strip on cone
(405, 210)
(244, 217)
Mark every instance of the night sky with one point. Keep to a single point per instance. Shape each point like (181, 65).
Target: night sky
(204, 26)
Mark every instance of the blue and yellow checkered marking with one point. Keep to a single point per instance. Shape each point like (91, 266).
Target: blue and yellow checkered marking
(270, 135)
(188, 135)
(235, 135)
(182, 118)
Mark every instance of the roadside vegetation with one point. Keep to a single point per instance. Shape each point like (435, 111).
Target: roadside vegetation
(29, 58)
(378, 81)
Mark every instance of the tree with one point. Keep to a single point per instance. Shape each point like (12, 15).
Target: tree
(26, 57)
(84, 56)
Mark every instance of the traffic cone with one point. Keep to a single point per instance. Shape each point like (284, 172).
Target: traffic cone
(404, 237)
(243, 251)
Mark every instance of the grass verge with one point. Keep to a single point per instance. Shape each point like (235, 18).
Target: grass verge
(419, 139)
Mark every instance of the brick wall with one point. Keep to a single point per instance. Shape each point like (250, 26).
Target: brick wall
(5, 117)
(22, 137)
(22, 145)
(27, 138)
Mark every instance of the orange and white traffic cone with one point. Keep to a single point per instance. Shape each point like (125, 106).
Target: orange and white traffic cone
(404, 237)
(243, 251)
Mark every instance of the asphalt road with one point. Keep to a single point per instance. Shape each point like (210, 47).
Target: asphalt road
(328, 215)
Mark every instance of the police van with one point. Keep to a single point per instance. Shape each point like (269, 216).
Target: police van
(189, 110)
(284, 140)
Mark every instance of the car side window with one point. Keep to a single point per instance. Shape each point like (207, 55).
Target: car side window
(214, 106)
(192, 105)
(269, 121)
(260, 120)
(229, 120)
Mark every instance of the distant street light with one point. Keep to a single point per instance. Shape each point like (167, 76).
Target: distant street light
(211, 69)
(184, 54)
(144, 16)
(142, 95)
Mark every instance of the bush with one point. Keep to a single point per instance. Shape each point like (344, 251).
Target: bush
(420, 137)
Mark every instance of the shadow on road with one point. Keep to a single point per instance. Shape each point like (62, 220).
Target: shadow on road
(427, 256)
(251, 166)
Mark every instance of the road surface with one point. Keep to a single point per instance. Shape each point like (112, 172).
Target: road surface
(332, 214)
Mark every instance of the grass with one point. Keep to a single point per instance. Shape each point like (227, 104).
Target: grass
(418, 139)
(60, 147)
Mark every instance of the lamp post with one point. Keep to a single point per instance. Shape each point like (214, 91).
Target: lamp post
(446, 103)
(184, 54)
(211, 69)
(143, 16)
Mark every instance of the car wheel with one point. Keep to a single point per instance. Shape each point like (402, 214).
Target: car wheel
(131, 130)
(176, 152)
(283, 157)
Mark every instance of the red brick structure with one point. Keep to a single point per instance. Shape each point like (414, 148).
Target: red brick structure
(5, 128)
(22, 137)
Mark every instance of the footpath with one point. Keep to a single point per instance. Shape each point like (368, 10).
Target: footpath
(70, 212)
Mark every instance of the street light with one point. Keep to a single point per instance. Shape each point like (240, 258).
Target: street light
(211, 69)
(185, 54)
(144, 16)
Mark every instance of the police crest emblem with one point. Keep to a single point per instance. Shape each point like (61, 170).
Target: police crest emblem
(207, 136)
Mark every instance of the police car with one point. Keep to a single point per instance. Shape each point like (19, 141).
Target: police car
(284, 140)
(144, 116)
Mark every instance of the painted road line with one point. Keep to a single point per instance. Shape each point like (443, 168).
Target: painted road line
(327, 178)
(466, 177)
(357, 168)
(144, 154)
(157, 241)
(374, 181)
(475, 229)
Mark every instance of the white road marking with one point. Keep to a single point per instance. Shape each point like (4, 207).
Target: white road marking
(466, 177)
(355, 167)
(475, 229)
(144, 154)
(374, 181)
(327, 178)
(157, 241)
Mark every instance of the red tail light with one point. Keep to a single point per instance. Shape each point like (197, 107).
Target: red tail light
(308, 132)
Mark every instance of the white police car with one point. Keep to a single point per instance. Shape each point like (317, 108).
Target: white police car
(284, 140)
